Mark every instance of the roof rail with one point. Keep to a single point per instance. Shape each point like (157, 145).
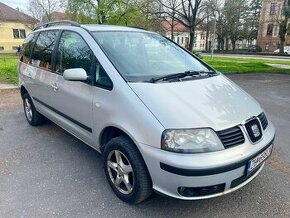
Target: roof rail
(56, 23)
(137, 27)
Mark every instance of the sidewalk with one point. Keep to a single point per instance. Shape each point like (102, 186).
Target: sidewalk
(282, 66)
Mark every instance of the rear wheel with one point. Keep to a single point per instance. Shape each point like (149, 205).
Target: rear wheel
(33, 117)
(126, 171)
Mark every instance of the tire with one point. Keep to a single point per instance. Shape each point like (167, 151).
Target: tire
(33, 117)
(138, 177)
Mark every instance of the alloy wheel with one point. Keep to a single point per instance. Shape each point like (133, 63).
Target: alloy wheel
(28, 109)
(120, 172)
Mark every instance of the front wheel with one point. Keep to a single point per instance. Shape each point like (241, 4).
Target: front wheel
(126, 171)
(33, 117)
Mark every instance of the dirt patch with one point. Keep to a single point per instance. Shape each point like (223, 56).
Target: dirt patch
(10, 99)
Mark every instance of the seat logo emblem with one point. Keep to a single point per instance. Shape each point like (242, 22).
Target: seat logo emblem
(255, 130)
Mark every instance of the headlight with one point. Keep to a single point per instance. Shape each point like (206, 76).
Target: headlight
(191, 141)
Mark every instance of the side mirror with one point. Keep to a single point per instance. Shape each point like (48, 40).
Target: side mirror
(76, 74)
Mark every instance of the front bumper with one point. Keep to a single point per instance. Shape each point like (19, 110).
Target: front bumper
(217, 173)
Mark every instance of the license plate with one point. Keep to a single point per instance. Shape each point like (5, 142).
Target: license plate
(259, 159)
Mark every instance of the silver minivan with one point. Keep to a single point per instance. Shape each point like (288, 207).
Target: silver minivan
(163, 119)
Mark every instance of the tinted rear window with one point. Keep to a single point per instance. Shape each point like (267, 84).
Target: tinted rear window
(43, 48)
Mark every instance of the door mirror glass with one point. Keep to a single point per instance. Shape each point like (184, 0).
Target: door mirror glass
(76, 74)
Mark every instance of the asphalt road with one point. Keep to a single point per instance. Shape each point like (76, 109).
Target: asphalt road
(46, 172)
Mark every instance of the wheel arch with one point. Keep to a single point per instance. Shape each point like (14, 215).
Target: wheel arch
(23, 90)
(111, 132)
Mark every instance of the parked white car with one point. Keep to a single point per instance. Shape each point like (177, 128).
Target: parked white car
(162, 118)
(286, 50)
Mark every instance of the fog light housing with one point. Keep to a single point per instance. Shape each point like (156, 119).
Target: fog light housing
(201, 191)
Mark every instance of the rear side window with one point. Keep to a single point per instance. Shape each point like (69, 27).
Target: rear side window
(27, 47)
(43, 48)
(73, 52)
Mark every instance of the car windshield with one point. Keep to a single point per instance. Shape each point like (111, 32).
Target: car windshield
(141, 56)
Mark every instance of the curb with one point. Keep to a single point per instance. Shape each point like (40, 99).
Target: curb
(8, 87)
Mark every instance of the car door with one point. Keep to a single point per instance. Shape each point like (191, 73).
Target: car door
(72, 100)
(40, 74)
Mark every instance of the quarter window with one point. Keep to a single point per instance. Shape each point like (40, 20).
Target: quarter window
(43, 48)
(27, 47)
(73, 52)
(102, 79)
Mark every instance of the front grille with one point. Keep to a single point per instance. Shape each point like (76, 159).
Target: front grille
(263, 119)
(254, 130)
(231, 137)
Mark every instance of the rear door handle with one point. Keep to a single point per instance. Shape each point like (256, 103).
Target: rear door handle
(54, 86)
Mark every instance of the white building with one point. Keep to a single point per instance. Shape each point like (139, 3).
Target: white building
(181, 35)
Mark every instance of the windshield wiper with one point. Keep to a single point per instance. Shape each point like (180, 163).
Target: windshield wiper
(182, 75)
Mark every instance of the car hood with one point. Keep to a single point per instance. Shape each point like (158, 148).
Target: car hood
(214, 102)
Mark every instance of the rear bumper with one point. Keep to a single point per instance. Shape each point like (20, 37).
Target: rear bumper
(208, 174)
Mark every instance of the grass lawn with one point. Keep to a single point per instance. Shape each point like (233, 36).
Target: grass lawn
(8, 68)
(245, 65)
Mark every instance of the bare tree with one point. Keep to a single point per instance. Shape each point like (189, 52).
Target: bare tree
(170, 13)
(42, 9)
(213, 9)
(234, 11)
(186, 13)
(279, 16)
(282, 21)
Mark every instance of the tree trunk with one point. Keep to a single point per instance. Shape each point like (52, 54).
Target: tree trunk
(283, 25)
(227, 44)
(222, 44)
(172, 28)
(206, 39)
(191, 40)
(219, 43)
(233, 44)
(282, 33)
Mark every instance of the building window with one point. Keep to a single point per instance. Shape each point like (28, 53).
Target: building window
(14, 47)
(1, 48)
(19, 34)
(273, 9)
(276, 28)
(202, 36)
(177, 40)
(267, 46)
(182, 40)
(270, 29)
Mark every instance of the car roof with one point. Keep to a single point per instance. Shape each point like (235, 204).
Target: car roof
(101, 27)
(95, 28)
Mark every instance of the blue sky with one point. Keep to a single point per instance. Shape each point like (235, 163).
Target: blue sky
(21, 4)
